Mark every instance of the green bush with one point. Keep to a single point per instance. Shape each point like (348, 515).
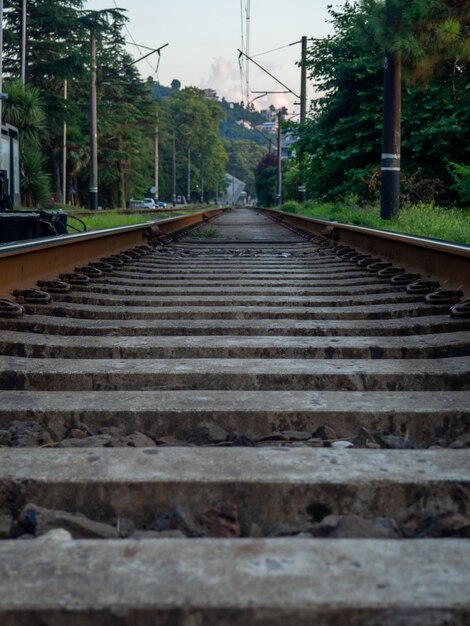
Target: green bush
(461, 177)
(35, 182)
(291, 207)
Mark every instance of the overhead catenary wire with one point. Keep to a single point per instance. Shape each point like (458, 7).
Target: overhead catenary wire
(140, 48)
(260, 54)
(241, 53)
(138, 45)
(157, 50)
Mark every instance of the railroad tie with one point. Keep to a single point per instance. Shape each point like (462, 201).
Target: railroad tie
(244, 426)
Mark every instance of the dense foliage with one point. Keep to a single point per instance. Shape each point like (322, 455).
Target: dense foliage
(342, 138)
(237, 122)
(266, 180)
(58, 51)
(244, 157)
(198, 145)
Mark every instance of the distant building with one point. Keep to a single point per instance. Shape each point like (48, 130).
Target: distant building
(270, 114)
(288, 145)
(268, 127)
(210, 94)
(235, 193)
(245, 124)
(10, 173)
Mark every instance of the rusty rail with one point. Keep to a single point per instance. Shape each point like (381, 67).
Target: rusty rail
(447, 262)
(22, 263)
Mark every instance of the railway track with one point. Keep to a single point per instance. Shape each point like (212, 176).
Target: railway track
(246, 429)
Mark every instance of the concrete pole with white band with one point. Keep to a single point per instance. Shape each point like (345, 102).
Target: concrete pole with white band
(391, 135)
(93, 129)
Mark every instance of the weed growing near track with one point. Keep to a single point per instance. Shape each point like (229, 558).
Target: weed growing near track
(422, 219)
(205, 233)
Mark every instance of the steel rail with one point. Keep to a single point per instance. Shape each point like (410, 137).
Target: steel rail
(157, 211)
(442, 260)
(22, 263)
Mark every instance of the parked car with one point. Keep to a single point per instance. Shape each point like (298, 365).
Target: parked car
(161, 205)
(150, 203)
(137, 204)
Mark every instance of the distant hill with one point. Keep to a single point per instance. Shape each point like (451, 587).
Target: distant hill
(158, 91)
(236, 126)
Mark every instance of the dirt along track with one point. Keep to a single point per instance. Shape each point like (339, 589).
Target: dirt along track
(244, 428)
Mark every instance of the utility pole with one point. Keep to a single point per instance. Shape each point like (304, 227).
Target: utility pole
(1, 82)
(303, 116)
(303, 82)
(64, 154)
(391, 135)
(93, 129)
(23, 42)
(202, 182)
(279, 160)
(188, 196)
(247, 48)
(174, 168)
(156, 159)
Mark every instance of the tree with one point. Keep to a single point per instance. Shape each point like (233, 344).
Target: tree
(126, 116)
(52, 55)
(58, 45)
(461, 176)
(24, 109)
(343, 134)
(342, 137)
(239, 123)
(243, 157)
(195, 122)
(421, 34)
(266, 179)
(54, 40)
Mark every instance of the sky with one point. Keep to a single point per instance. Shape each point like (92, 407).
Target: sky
(204, 35)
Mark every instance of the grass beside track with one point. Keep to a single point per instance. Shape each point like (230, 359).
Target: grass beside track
(423, 220)
(111, 220)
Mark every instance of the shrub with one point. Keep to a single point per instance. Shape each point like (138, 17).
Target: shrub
(291, 206)
(461, 177)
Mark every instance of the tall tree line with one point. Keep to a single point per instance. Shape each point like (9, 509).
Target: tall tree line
(342, 138)
(200, 156)
(58, 50)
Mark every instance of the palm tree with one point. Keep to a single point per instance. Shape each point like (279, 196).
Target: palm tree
(24, 110)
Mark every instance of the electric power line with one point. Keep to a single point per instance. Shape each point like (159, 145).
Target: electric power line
(260, 54)
(241, 53)
(139, 48)
(138, 45)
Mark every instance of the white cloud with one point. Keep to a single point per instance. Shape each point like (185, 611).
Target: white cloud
(224, 78)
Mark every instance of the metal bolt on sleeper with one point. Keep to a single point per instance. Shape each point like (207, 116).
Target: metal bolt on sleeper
(8, 308)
